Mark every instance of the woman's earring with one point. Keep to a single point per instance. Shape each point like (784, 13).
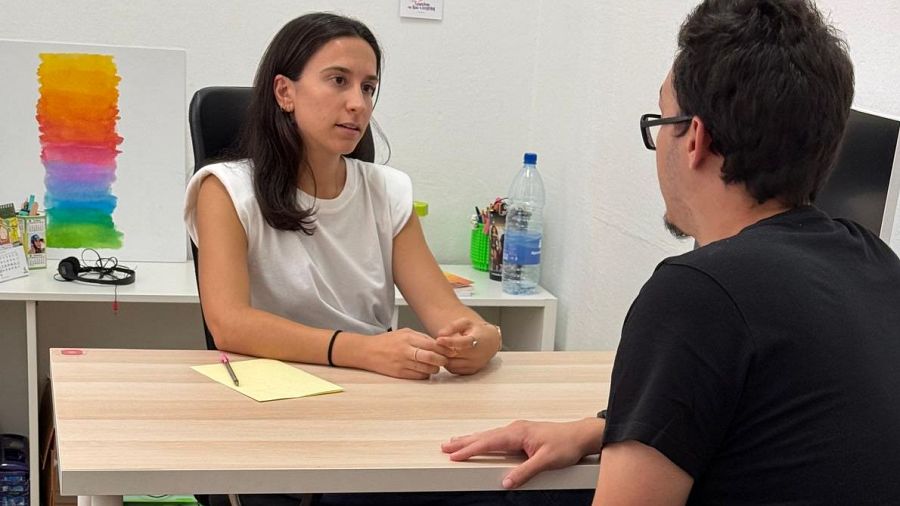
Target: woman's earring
(288, 111)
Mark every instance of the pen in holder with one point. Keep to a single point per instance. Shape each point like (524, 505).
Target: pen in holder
(479, 248)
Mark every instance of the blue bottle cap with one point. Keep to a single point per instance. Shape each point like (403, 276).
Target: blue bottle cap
(531, 158)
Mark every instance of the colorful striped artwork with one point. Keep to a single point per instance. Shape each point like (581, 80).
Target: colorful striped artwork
(77, 113)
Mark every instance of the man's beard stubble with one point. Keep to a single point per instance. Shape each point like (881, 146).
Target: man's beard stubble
(673, 229)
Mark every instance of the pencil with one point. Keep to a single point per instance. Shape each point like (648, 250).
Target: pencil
(230, 370)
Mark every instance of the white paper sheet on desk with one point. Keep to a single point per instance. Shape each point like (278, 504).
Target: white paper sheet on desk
(268, 380)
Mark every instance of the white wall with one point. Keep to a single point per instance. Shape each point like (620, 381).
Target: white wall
(600, 68)
(464, 97)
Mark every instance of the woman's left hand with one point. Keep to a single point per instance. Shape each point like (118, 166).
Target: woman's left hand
(472, 344)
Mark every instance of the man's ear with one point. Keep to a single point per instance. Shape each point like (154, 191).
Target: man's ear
(699, 143)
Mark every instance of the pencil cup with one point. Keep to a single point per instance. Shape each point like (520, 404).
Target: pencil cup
(479, 247)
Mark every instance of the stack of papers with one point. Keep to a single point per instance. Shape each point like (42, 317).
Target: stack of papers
(462, 286)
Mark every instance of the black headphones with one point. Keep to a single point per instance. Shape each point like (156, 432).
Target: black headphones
(70, 269)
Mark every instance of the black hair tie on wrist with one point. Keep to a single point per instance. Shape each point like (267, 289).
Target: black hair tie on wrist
(331, 346)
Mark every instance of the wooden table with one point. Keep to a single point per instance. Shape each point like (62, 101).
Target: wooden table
(142, 422)
(528, 321)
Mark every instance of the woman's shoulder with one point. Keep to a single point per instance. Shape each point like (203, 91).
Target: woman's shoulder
(235, 176)
(378, 174)
(389, 186)
(237, 171)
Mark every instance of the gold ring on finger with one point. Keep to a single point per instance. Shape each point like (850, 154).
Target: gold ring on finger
(416, 355)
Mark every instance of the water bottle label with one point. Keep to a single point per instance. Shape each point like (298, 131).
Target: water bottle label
(522, 249)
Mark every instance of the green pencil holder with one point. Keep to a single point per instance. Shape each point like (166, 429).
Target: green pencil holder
(479, 248)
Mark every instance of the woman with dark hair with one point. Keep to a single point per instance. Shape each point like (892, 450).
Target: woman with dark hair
(300, 246)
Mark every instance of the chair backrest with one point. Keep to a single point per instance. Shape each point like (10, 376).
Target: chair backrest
(216, 116)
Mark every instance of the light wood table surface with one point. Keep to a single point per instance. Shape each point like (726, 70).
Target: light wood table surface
(528, 321)
(143, 422)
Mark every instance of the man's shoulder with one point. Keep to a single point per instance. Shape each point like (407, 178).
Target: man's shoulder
(773, 243)
(682, 290)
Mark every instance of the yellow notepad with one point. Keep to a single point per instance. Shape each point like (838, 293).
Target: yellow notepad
(267, 380)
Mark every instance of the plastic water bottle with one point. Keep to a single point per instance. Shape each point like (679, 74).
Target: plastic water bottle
(524, 224)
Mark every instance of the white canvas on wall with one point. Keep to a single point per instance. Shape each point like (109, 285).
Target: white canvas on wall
(97, 135)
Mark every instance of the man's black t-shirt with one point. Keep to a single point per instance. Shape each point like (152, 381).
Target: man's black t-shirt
(767, 365)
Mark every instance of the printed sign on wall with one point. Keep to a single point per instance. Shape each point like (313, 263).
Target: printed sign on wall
(423, 9)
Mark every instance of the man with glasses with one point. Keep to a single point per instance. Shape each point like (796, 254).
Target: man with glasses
(760, 368)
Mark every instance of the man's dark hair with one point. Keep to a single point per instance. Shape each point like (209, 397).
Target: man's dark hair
(773, 84)
(270, 138)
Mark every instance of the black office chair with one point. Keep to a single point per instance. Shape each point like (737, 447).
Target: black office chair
(216, 116)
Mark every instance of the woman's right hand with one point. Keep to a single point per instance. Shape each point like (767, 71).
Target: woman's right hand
(406, 354)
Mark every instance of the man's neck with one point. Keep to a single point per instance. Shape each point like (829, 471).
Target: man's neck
(726, 218)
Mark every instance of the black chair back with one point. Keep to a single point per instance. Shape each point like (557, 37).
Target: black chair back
(216, 115)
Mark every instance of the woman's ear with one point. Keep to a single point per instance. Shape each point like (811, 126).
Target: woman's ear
(284, 93)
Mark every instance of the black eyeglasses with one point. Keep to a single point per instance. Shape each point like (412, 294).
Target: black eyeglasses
(653, 120)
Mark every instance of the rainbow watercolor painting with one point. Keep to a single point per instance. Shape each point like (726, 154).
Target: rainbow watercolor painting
(77, 113)
(97, 134)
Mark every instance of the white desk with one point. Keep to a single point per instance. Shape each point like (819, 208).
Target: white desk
(142, 422)
(529, 322)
